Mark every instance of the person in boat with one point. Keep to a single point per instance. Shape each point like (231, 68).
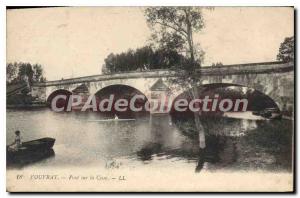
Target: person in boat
(17, 144)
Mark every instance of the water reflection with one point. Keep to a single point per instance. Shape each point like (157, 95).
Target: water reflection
(231, 143)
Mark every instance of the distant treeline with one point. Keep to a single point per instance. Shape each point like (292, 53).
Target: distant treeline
(286, 50)
(144, 58)
(18, 72)
(147, 58)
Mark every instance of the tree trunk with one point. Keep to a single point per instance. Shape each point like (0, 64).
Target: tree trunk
(190, 43)
(190, 37)
(199, 125)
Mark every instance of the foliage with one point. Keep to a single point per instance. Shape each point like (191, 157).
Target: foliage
(19, 72)
(144, 58)
(173, 29)
(11, 71)
(274, 137)
(286, 50)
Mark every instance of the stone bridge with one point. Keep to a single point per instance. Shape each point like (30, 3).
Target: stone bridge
(275, 79)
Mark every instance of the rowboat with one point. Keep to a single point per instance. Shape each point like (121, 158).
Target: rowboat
(31, 151)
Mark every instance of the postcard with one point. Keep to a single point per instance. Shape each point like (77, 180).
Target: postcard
(150, 99)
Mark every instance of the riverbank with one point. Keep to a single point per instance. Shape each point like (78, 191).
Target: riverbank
(25, 106)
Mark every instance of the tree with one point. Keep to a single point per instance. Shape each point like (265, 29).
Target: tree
(286, 50)
(144, 58)
(38, 73)
(26, 71)
(11, 71)
(18, 72)
(173, 28)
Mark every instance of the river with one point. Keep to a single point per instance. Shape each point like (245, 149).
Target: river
(82, 141)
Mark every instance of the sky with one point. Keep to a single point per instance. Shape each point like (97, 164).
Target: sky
(74, 41)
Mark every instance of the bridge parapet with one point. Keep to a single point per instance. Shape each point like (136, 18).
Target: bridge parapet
(251, 68)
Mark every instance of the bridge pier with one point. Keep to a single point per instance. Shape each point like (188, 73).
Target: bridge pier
(160, 126)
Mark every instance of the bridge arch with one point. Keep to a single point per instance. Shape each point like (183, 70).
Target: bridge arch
(61, 102)
(257, 100)
(121, 91)
(141, 84)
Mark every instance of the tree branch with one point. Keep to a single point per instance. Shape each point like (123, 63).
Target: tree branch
(169, 26)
